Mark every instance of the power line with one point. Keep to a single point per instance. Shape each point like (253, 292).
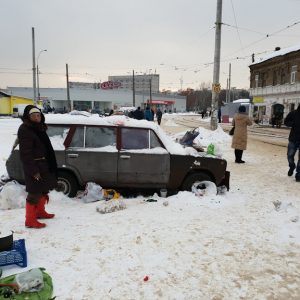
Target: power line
(237, 29)
(266, 37)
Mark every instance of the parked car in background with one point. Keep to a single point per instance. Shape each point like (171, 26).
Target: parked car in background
(119, 152)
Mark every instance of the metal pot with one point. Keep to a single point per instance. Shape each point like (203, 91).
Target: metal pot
(6, 240)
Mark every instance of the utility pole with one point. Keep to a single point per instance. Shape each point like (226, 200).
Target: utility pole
(227, 90)
(133, 89)
(33, 67)
(229, 83)
(68, 89)
(37, 74)
(216, 84)
(150, 89)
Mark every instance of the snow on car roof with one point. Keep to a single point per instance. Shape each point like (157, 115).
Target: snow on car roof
(172, 147)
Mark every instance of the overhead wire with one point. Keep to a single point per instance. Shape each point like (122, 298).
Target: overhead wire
(237, 29)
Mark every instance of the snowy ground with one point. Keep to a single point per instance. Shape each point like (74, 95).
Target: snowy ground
(233, 246)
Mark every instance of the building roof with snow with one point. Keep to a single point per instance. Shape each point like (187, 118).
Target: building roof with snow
(278, 53)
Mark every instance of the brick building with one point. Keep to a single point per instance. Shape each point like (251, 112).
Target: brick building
(275, 84)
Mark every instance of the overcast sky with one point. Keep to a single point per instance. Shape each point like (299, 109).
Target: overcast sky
(98, 38)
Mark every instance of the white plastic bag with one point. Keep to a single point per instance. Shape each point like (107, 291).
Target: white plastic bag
(204, 188)
(92, 193)
(12, 196)
(30, 281)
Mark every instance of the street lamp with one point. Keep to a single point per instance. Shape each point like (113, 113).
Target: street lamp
(37, 73)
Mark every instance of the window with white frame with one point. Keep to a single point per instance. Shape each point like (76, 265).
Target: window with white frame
(293, 74)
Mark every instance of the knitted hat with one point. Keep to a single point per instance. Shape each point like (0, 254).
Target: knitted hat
(30, 109)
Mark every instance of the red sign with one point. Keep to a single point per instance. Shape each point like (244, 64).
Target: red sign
(166, 102)
(108, 85)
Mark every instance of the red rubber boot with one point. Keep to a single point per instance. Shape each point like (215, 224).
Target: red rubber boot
(41, 212)
(31, 220)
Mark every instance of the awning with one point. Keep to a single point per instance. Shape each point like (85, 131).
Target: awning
(166, 102)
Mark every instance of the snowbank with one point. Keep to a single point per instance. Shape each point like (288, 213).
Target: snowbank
(207, 136)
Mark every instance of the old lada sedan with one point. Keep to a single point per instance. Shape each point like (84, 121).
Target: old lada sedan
(118, 152)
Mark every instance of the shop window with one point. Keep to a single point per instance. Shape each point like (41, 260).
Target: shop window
(292, 107)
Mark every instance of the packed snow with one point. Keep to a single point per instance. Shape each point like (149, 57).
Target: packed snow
(244, 244)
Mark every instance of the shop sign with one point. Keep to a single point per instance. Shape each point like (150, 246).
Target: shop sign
(258, 100)
(108, 85)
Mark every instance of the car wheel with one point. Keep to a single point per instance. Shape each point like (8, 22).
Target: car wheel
(194, 180)
(67, 184)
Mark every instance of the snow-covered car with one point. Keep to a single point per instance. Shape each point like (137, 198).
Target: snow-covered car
(119, 152)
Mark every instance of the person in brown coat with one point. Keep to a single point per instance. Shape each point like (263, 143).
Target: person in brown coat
(39, 165)
(239, 140)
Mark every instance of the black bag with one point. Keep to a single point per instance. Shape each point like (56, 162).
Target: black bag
(231, 131)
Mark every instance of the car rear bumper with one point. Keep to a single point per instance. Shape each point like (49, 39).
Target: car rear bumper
(226, 180)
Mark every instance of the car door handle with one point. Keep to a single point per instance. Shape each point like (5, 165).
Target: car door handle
(73, 155)
(125, 156)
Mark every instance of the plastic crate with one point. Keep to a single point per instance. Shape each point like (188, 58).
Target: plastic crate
(16, 256)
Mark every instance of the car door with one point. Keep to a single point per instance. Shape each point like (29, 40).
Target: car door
(93, 154)
(142, 161)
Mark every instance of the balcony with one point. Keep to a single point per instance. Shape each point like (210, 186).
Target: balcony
(283, 89)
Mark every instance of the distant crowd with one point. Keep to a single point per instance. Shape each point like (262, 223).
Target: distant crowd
(147, 114)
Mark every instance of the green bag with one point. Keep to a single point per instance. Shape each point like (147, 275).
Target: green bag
(211, 149)
(45, 293)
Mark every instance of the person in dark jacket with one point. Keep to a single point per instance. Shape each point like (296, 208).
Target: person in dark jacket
(39, 165)
(148, 114)
(293, 120)
(219, 115)
(138, 114)
(158, 116)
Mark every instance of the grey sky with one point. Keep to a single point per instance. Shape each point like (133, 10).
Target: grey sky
(98, 38)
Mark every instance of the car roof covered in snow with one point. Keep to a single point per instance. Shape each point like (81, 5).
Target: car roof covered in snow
(69, 119)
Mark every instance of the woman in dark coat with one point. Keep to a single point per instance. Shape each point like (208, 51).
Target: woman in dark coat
(39, 165)
(239, 140)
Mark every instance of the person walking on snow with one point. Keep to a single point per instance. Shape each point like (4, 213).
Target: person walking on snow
(293, 120)
(39, 165)
(239, 140)
(158, 116)
(148, 114)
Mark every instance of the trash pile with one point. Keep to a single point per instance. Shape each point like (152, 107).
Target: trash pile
(110, 206)
(30, 285)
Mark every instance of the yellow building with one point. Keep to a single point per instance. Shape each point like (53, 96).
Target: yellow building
(8, 102)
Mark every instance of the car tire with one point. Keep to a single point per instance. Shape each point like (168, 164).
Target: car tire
(191, 179)
(67, 184)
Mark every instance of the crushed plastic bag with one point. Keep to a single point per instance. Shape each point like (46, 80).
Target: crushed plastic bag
(30, 281)
(204, 188)
(92, 193)
(12, 195)
(111, 206)
(211, 149)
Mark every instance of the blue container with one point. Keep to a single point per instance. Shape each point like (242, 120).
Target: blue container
(16, 256)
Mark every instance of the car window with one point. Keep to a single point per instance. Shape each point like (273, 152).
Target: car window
(133, 138)
(96, 137)
(78, 138)
(154, 141)
(61, 131)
